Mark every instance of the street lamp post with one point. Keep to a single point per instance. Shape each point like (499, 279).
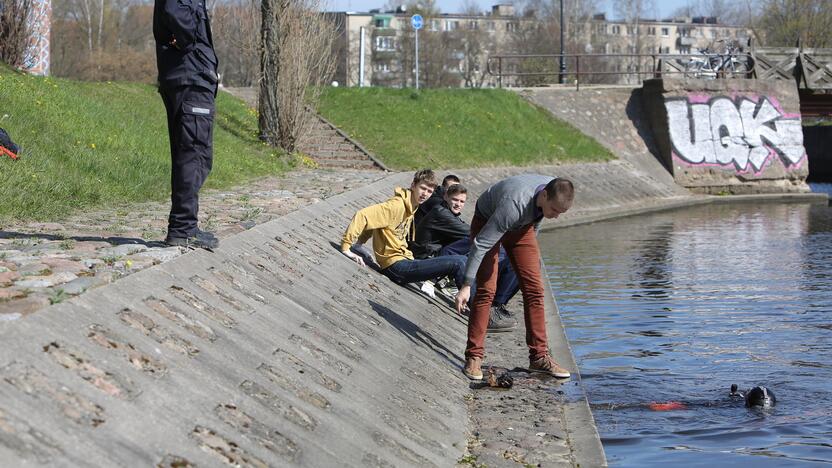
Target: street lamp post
(562, 74)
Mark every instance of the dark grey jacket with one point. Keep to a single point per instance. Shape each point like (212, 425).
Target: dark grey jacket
(507, 205)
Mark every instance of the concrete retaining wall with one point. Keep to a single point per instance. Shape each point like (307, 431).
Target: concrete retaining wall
(276, 350)
(273, 350)
(734, 136)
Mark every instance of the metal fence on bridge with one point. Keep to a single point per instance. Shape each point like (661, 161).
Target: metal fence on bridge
(539, 69)
(810, 68)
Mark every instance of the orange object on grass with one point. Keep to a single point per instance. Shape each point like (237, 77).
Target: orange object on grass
(7, 152)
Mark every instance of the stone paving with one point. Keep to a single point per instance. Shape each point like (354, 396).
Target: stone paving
(47, 263)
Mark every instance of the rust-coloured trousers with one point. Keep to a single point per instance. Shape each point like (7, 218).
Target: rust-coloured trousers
(524, 254)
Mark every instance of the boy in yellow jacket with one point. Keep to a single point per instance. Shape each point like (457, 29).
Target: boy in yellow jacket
(391, 223)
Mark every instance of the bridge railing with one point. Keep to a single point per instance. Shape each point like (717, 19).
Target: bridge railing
(535, 69)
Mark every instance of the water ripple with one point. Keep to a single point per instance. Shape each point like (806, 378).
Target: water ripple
(675, 307)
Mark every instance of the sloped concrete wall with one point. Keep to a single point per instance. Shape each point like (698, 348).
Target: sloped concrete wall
(276, 350)
(734, 136)
(273, 350)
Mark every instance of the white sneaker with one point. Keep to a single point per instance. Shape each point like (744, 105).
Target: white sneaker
(427, 288)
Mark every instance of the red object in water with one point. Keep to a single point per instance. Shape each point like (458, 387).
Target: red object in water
(668, 406)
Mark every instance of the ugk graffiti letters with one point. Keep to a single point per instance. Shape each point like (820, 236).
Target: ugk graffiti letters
(747, 132)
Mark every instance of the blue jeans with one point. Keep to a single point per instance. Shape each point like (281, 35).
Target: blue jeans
(507, 283)
(410, 271)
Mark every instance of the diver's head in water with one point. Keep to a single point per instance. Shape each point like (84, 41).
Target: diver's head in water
(757, 397)
(760, 397)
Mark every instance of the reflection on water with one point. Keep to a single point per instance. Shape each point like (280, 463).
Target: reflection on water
(678, 306)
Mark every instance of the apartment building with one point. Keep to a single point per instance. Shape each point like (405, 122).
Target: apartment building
(376, 48)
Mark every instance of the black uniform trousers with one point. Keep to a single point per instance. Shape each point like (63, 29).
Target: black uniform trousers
(190, 111)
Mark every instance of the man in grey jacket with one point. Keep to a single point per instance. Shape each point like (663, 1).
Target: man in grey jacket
(509, 213)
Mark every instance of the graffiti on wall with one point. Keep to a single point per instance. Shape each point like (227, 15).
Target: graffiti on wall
(743, 133)
(36, 60)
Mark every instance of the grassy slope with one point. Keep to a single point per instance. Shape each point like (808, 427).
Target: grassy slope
(444, 128)
(103, 144)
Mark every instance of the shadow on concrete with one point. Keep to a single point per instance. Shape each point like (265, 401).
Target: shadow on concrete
(637, 113)
(57, 237)
(416, 335)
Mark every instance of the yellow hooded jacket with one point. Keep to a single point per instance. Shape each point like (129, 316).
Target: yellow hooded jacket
(389, 223)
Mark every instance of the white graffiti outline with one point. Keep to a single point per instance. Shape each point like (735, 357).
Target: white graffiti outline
(746, 133)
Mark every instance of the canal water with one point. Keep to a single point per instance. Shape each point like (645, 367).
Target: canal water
(674, 307)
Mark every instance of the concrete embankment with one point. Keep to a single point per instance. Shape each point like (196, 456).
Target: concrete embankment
(275, 349)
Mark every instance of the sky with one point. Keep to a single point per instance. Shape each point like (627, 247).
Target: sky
(665, 7)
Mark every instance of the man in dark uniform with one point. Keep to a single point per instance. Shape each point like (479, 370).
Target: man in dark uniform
(188, 82)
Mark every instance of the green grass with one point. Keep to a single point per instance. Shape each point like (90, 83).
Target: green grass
(455, 128)
(105, 144)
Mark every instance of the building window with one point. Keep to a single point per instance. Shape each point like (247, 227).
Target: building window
(511, 26)
(630, 30)
(451, 25)
(385, 43)
(492, 26)
(435, 25)
(382, 67)
(665, 32)
(616, 29)
(473, 24)
(651, 31)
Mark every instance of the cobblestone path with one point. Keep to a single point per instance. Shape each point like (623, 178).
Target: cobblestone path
(46, 263)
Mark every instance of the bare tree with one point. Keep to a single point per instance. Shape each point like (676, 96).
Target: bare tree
(476, 44)
(236, 26)
(633, 12)
(297, 61)
(14, 31)
(784, 22)
(725, 11)
(539, 32)
(439, 50)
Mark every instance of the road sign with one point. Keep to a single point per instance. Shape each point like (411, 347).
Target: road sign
(416, 22)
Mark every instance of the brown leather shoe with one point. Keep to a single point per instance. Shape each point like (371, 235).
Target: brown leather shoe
(473, 368)
(546, 364)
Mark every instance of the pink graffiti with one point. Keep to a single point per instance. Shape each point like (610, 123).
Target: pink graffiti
(701, 98)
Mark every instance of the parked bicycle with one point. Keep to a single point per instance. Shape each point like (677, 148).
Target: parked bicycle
(711, 65)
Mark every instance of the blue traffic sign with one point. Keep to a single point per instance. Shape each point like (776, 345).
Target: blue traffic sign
(416, 21)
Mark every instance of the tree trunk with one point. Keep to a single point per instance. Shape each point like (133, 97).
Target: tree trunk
(269, 55)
